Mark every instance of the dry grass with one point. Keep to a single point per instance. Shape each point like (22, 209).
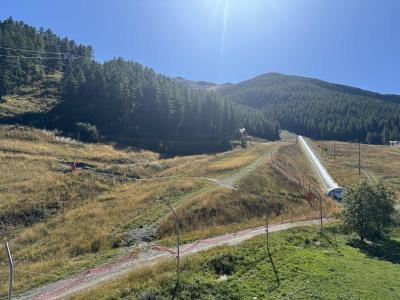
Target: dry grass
(218, 211)
(216, 165)
(377, 163)
(60, 223)
(40, 96)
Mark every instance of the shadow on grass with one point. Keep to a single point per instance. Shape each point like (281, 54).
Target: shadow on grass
(383, 249)
(278, 282)
(334, 244)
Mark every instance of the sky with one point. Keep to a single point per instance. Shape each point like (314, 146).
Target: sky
(354, 42)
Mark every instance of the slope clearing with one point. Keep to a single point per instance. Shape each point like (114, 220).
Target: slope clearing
(61, 222)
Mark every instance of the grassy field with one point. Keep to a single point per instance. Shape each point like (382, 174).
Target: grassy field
(378, 162)
(309, 266)
(40, 96)
(59, 222)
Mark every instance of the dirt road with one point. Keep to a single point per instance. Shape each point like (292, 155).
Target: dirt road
(150, 252)
(144, 255)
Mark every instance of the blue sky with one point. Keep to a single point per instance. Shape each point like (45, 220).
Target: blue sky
(355, 42)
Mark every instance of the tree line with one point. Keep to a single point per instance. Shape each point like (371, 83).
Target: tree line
(122, 100)
(319, 109)
(27, 54)
(126, 100)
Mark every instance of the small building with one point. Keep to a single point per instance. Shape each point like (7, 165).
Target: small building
(243, 131)
(240, 133)
(394, 143)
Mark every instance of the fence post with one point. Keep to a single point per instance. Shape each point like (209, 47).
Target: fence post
(10, 268)
(178, 270)
(320, 209)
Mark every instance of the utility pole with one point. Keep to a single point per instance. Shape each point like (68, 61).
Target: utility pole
(178, 270)
(334, 151)
(322, 148)
(10, 269)
(317, 194)
(269, 253)
(320, 210)
(267, 219)
(359, 159)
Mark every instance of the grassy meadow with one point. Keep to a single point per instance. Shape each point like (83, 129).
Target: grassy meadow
(309, 265)
(378, 162)
(60, 222)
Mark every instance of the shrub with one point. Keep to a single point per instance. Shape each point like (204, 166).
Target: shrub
(224, 264)
(95, 247)
(87, 132)
(367, 209)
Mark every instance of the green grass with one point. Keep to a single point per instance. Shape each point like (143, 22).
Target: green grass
(309, 265)
(60, 223)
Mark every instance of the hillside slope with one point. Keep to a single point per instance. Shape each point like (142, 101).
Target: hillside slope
(117, 100)
(275, 87)
(320, 109)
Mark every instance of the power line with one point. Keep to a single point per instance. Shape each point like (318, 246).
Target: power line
(36, 57)
(37, 51)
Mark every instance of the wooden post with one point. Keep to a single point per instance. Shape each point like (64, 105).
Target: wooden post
(10, 269)
(267, 219)
(320, 209)
(178, 270)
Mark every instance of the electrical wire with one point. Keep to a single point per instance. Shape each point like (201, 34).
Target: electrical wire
(44, 52)
(36, 57)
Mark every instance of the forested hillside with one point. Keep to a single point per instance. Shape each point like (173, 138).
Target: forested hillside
(320, 109)
(126, 102)
(120, 100)
(27, 54)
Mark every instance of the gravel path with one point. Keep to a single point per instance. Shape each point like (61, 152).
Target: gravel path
(147, 253)
(144, 255)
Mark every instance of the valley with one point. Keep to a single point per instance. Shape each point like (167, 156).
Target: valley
(48, 220)
(120, 181)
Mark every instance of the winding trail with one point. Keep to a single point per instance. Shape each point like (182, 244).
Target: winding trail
(228, 182)
(143, 255)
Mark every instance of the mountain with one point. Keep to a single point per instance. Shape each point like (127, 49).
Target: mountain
(118, 100)
(205, 85)
(320, 109)
(275, 87)
(124, 101)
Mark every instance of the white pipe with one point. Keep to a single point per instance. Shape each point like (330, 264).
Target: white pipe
(322, 172)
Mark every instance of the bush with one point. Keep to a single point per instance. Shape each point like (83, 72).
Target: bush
(224, 264)
(367, 209)
(87, 132)
(96, 246)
